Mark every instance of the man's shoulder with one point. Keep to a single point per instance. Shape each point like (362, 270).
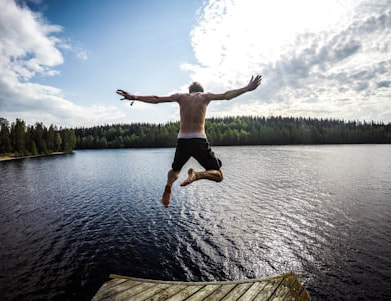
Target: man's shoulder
(196, 96)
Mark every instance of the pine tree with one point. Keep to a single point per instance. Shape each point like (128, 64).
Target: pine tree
(5, 140)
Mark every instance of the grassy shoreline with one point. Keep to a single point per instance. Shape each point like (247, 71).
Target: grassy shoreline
(8, 158)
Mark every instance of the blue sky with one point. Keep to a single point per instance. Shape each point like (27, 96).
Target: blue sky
(61, 61)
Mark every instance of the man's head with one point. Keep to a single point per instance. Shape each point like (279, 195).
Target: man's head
(195, 87)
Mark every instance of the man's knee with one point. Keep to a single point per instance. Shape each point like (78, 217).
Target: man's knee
(173, 174)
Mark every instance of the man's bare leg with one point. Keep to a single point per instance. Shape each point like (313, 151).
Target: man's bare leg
(213, 175)
(171, 178)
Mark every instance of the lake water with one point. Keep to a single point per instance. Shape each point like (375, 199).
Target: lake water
(323, 212)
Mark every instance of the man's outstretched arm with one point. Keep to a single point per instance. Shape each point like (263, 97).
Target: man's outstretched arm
(148, 99)
(252, 85)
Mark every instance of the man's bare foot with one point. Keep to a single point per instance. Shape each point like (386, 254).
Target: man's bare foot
(166, 198)
(191, 177)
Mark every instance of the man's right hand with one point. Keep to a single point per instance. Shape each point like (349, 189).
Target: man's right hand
(125, 95)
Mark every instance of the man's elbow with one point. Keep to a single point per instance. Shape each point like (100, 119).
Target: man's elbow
(155, 100)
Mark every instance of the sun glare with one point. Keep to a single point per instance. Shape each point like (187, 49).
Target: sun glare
(231, 28)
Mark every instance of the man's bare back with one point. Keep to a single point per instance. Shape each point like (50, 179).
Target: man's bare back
(192, 108)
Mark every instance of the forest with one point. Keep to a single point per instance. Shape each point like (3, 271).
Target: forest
(238, 131)
(19, 139)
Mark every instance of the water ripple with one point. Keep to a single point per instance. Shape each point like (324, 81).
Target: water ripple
(68, 222)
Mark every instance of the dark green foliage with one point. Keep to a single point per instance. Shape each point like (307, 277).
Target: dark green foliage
(18, 137)
(238, 131)
(5, 138)
(19, 140)
(127, 135)
(284, 130)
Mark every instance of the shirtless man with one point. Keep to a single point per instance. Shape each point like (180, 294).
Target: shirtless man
(192, 141)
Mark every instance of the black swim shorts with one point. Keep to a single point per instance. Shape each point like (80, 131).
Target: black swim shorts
(199, 149)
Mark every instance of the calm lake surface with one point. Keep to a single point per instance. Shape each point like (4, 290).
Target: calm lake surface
(323, 212)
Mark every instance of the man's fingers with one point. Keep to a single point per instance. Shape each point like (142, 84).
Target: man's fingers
(258, 79)
(255, 81)
(121, 92)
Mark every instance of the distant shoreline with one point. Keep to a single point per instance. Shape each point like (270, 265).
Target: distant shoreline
(9, 158)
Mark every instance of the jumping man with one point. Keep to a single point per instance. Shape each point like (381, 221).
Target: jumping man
(192, 141)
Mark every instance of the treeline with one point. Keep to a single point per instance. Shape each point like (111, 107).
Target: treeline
(19, 140)
(238, 131)
(127, 135)
(290, 130)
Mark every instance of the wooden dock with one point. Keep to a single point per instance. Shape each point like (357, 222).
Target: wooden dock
(282, 287)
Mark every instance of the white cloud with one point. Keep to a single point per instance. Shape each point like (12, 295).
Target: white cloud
(29, 47)
(318, 58)
(27, 44)
(71, 46)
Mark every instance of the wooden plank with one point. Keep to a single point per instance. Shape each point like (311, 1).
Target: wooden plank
(203, 292)
(253, 291)
(294, 292)
(185, 293)
(304, 296)
(111, 283)
(283, 287)
(219, 293)
(155, 290)
(118, 289)
(281, 291)
(134, 290)
(165, 294)
(237, 292)
(107, 286)
(115, 276)
(268, 290)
